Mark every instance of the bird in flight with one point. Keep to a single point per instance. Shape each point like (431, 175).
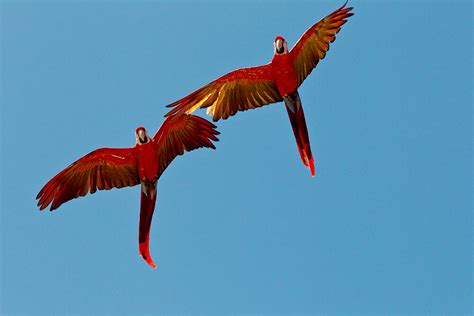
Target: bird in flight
(249, 88)
(144, 163)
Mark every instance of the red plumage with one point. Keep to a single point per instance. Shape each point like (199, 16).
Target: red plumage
(107, 168)
(250, 88)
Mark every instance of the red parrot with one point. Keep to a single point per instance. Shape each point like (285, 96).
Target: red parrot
(107, 168)
(249, 88)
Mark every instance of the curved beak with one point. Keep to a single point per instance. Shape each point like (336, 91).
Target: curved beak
(142, 136)
(279, 44)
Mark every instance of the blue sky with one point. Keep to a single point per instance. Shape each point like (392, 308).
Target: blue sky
(385, 227)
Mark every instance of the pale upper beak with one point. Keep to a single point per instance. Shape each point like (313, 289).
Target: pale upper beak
(279, 43)
(141, 135)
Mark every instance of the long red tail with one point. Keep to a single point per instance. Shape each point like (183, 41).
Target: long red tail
(298, 123)
(147, 207)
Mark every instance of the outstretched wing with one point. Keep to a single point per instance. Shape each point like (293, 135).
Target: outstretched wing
(102, 169)
(239, 90)
(314, 43)
(180, 133)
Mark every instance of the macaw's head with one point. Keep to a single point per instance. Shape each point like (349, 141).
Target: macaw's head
(280, 45)
(141, 136)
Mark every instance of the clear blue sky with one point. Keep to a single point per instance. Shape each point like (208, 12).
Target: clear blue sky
(385, 227)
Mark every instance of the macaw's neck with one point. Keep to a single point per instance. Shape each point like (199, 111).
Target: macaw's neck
(284, 74)
(279, 59)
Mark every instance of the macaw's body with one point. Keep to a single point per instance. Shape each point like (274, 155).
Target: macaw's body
(249, 88)
(107, 168)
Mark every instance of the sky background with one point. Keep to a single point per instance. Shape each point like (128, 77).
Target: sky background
(385, 227)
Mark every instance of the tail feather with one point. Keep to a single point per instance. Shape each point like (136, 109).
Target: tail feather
(147, 207)
(298, 123)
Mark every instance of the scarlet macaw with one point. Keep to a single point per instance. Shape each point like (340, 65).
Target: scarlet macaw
(107, 168)
(249, 88)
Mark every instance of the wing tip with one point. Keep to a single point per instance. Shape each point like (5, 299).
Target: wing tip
(343, 8)
(41, 203)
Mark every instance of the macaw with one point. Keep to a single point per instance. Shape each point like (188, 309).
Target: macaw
(144, 163)
(249, 88)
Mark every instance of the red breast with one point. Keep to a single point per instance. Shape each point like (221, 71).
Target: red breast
(284, 74)
(147, 161)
